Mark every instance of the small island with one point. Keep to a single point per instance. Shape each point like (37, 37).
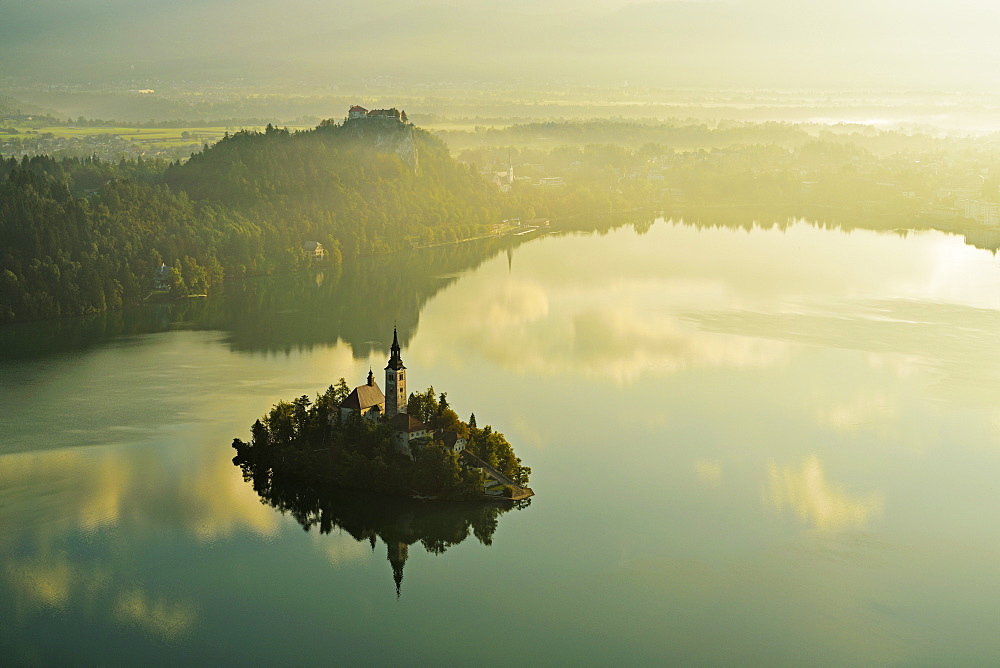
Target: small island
(405, 445)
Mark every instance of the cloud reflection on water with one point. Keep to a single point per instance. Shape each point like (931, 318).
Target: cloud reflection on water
(51, 582)
(99, 488)
(159, 616)
(528, 328)
(816, 501)
(682, 298)
(104, 496)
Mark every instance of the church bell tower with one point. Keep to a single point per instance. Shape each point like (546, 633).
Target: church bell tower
(395, 381)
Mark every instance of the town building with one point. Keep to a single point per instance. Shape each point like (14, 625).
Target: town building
(161, 277)
(314, 250)
(981, 211)
(505, 179)
(407, 429)
(451, 439)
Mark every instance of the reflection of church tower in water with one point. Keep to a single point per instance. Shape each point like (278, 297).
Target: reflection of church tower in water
(395, 381)
(398, 552)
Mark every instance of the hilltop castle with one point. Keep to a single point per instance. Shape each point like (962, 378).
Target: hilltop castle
(357, 112)
(369, 402)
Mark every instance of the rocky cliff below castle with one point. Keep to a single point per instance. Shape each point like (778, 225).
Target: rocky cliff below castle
(387, 134)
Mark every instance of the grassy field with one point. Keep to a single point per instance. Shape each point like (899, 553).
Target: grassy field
(151, 137)
(185, 136)
(461, 126)
(161, 140)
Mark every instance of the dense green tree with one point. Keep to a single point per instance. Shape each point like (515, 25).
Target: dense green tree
(340, 391)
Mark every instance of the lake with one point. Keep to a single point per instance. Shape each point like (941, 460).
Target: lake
(764, 445)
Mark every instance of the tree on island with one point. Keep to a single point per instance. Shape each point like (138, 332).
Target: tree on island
(435, 412)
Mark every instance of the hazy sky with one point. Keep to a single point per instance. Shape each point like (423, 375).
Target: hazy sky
(748, 43)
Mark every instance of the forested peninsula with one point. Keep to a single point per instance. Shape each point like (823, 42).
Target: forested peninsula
(83, 236)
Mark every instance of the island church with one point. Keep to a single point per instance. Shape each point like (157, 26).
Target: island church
(368, 401)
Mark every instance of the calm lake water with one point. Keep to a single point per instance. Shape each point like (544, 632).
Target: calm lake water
(764, 446)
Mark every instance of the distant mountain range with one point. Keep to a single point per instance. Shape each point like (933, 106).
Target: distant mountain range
(748, 43)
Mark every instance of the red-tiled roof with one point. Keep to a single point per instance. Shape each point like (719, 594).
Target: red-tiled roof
(449, 438)
(407, 423)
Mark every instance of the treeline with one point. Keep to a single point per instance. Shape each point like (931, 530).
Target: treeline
(84, 235)
(308, 441)
(695, 135)
(831, 174)
(83, 122)
(8, 106)
(70, 255)
(844, 171)
(631, 133)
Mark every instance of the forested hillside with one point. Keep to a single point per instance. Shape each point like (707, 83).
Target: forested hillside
(369, 186)
(81, 236)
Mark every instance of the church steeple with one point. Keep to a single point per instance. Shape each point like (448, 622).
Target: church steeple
(395, 360)
(395, 380)
(397, 554)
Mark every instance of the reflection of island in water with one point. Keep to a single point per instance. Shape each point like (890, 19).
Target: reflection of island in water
(398, 522)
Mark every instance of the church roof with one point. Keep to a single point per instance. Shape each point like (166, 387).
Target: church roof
(407, 423)
(364, 397)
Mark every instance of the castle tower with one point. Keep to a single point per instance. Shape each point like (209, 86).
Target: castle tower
(395, 381)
